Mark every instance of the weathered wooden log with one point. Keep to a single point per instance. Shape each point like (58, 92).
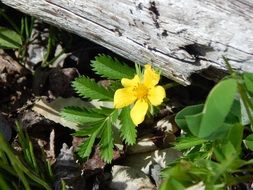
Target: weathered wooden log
(180, 37)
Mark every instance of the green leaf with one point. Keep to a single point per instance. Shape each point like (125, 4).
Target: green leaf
(221, 133)
(194, 123)
(115, 85)
(249, 141)
(111, 68)
(85, 148)
(189, 110)
(188, 142)
(87, 130)
(88, 88)
(106, 143)
(102, 111)
(225, 152)
(9, 39)
(234, 115)
(244, 115)
(235, 136)
(248, 80)
(128, 129)
(217, 106)
(181, 175)
(81, 115)
(172, 184)
(101, 128)
(215, 112)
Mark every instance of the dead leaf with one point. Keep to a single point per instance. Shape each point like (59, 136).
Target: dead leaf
(128, 178)
(143, 161)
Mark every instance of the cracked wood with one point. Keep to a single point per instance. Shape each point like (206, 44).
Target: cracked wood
(177, 36)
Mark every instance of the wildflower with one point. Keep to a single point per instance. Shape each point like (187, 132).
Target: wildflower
(141, 91)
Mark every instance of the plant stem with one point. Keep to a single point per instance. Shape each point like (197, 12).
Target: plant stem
(170, 85)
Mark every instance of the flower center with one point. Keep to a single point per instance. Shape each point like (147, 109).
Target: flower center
(141, 91)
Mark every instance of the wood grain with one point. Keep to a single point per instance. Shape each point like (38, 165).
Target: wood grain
(180, 37)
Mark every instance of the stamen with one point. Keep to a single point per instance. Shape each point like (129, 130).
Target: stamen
(141, 91)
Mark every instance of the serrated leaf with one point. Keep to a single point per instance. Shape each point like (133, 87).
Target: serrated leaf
(128, 129)
(102, 111)
(88, 88)
(9, 38)
(115, 85)
(87, 130)
(111, 68)
(85, 148)
(81, 115)
(106, 142)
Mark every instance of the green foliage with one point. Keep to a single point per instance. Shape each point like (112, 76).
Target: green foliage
(199, 121)
(85, 148)
(93, 125)
(249, 141)
(81, 115)
(213, 137)
(248, 79)
(190, 110)
(188, 142)
(128, 129)
(106, 142)
(88, 88)
(98, 123)
(214, 174)
(110, 68)
(217, 106)
(9, 39)
(18, 36)
(23, 171)
(235, 136)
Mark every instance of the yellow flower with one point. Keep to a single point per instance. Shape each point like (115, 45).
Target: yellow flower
(141, 91)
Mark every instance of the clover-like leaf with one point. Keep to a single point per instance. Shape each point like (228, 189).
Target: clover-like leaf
(249, 141)
(217, 106)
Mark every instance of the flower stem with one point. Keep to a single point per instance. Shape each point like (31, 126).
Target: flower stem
(170, 85)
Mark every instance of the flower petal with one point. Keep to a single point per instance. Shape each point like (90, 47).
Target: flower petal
(130, 82)
(123, 97)
(151, 77)
(156, 95)
(139, 111)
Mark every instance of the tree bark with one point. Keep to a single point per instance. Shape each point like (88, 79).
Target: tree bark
(180, 37)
